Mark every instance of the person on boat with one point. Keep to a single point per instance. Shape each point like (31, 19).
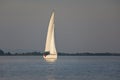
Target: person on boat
(46, 53)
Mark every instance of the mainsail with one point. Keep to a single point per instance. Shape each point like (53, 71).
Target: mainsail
(52, 45)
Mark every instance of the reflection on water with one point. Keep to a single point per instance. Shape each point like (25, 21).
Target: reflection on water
(51, 60)
(65, 68)
(51, 71)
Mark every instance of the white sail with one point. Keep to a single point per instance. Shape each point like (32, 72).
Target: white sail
(52, 45)
(50, 42)
(49, 34)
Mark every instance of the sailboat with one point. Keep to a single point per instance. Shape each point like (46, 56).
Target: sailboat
(50, 54)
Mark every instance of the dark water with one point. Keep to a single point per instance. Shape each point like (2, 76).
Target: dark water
(65, 68)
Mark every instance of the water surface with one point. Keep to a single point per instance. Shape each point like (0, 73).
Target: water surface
(65, 68)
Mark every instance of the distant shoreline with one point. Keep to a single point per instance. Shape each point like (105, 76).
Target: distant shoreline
(2, 53)
(64, 54)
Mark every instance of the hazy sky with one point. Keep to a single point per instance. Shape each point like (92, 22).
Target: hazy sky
(80, 25)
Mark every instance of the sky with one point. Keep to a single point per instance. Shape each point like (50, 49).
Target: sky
(80, 25)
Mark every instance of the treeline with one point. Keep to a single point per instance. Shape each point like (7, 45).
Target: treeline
(2, 53)
(89, 54)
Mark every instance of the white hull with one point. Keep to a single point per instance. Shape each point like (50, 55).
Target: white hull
(50, 58)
